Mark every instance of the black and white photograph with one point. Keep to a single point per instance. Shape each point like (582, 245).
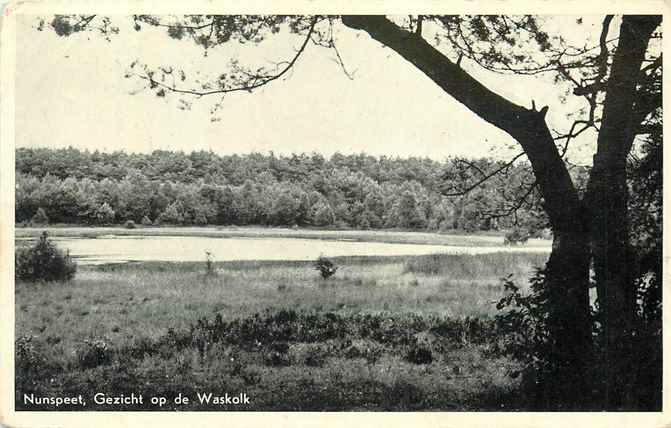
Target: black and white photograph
(327, 212)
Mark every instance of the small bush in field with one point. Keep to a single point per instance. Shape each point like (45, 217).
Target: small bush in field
(146, 221)
(43, 262)
(130, 224)
(40, 217)
(276, 355)
(315, 357)
(94, 353)
(209, 264)
(419, 354)
(325, 267)
(26, 356)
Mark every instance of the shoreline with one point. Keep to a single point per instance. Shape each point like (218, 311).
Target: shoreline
(389, 236)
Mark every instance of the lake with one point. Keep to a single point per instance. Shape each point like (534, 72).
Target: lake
(118, 249)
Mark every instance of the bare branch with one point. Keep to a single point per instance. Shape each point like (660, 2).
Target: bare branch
(514, 208)
(485, 177)
(256, 81)
(471, 165)
(84, 22)
(571, 134)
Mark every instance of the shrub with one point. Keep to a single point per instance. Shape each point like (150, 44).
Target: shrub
(523, 321)
(27, 357)
(130, 224)
(516, 236)
(523, 325)
(209, 264)
(94, 353)
(40, 217)
(146, 221)
(276, 355)
(315, 356)
(325, 267)
(369, 350)
(419, 354)
(544, 233)
(44, 262)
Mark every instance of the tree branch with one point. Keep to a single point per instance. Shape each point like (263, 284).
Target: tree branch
(526, 126)
(485, 177)
(255, 81)
(513, 208)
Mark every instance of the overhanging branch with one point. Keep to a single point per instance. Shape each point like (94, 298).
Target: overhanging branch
(255, 81)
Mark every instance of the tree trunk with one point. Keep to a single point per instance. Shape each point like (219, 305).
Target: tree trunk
(569, 324)
(615, 287)
(568, 264)
(607, 199)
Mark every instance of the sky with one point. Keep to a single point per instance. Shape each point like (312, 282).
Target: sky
(71, 91)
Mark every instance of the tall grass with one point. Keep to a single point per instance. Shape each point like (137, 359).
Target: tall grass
(481, 266)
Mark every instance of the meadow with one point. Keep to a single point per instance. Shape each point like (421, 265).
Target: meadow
(384, 333)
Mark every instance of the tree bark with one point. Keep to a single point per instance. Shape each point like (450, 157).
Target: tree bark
(607, 199)
(568, 265)
(567, 288)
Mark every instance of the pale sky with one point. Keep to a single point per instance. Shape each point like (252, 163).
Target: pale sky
(72, 91)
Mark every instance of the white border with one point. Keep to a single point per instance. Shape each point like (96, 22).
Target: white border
(276, 419)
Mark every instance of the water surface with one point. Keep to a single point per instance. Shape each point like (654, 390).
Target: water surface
(115, 249)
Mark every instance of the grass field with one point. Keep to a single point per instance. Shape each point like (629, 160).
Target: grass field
(395, 333)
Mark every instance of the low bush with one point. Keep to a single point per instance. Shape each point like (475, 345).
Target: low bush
(95, 353)
(130, 224)
(325, 267)
(43, 262)
(419, 354)
(146, 221)
(369, 350)
(27, 358)
(276, 355)
(516, 236)
(315, 355)
(209, 264)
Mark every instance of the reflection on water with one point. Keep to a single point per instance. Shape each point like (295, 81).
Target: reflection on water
(178, 248)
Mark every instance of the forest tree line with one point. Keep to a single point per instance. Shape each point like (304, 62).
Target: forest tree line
(346, 191)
